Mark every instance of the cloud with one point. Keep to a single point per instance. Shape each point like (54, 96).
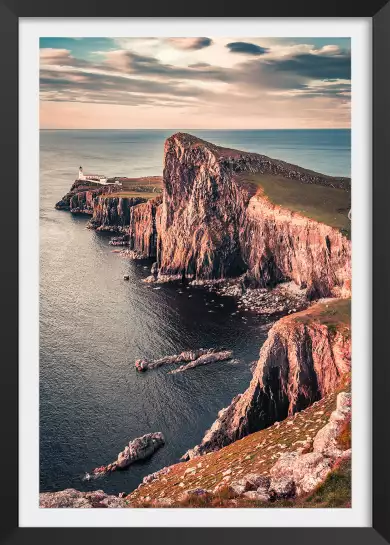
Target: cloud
(282, 80)
(132, 63)
(60, 57)
(313, 66)
(67, 85)
(295, 74)
(247, 48)
(189, 43)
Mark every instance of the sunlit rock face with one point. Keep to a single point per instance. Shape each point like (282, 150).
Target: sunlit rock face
(213, 225)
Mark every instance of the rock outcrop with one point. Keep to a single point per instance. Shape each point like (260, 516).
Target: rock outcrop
(192, 358)
(212, 357)
(297, 473)
(140, 448)
(303, 359)
(72, 499)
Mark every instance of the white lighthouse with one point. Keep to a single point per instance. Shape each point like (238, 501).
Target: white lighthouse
(97, 178)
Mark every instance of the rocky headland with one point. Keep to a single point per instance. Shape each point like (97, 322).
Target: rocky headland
(110, 205)
(277, 237)
(225, 213)
(217, 221)
(112, 213)
(80, 198)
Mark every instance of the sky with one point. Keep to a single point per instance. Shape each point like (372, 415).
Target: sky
(195, 83)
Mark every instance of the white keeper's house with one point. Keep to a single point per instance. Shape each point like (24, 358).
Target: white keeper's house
(98, 178)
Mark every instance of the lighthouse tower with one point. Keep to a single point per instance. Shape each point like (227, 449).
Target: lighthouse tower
(81, 174)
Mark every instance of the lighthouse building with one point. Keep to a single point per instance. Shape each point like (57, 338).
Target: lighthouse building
(97, 178)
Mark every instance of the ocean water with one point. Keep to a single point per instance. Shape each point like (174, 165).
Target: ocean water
(93, 325)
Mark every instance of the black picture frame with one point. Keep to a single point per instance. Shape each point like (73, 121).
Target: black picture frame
(10, 12)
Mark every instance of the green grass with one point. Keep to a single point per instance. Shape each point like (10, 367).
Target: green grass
(146, 183)
(321, 203)
(335, 491)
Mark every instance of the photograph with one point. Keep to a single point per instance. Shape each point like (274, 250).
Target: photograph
(195, 272)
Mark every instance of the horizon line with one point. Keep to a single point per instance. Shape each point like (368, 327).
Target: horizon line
(196, 129)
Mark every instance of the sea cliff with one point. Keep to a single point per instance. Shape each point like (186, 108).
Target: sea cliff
(112, 213)
(216, 221)
(227, 214)
(305, 357)
(80, 197)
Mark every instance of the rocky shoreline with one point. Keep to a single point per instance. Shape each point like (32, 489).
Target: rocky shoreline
(278, 264)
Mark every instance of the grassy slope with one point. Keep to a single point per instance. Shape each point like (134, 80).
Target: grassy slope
(139, 187)
(324, 204)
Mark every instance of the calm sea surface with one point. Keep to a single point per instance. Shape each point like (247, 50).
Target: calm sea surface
(93, 325)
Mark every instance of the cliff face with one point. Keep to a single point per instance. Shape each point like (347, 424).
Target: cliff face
(213, 224)
(113, 212)
(201, 213)
(143, 227)
(303, 359)
(278, 244)
(80, 198)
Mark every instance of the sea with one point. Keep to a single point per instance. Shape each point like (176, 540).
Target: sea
(94, 325)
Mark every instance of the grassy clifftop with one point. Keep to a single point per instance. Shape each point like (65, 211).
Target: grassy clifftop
(333, 313)
(329, 205)
(146, 187)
